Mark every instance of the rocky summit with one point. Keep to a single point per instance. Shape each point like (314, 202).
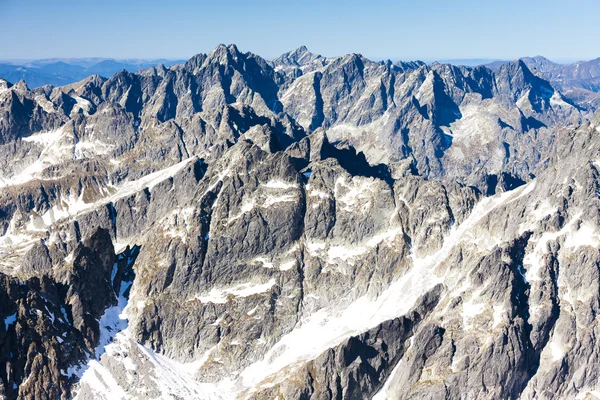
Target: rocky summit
(303, 228)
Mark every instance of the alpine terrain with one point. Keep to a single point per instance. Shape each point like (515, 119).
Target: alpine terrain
(302, 228)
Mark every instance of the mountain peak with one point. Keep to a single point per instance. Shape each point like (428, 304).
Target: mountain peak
(4, 84)
(232, 48)
(21, 86)
(298, 57)
(224, 54)
(541, 58)
(302, 50)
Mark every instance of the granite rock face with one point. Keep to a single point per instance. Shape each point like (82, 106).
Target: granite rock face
(302, 228)
(579, 81)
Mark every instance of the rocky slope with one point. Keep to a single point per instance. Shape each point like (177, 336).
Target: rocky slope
(308, 227)
(579, 81)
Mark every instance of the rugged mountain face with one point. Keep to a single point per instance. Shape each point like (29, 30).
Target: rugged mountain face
(428, 114)
(390, 112)
(305, 228)
(579, 82)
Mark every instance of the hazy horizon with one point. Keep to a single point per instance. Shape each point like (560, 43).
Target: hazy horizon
(466, 61)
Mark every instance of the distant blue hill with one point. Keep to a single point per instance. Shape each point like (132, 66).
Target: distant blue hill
(471, 62)
(58, 72)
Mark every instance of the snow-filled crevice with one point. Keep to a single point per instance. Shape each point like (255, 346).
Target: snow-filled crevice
(114, 319)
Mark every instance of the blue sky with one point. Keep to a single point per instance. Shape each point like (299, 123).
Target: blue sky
(378, 29)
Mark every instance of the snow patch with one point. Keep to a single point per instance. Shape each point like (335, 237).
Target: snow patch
(499, 312)
(471, 309)
(534, 258)
(356, 195)
(219, 296)
(15, 239)
(384, 392)
(557, 348)
(543, 210)
(277, 184)
(44, 103)
(271, 200)
(319, 194)
(82, 104)
(348, 253)
(266, 200)
(287, 265)
(57, 148)
(177, 224)
(88, 149)
(586, 235)
(73, 206)
(264, 262)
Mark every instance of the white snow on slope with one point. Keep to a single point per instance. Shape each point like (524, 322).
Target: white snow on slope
(129, 362)
(82, 104)
(44, 103)
(348, 253)
(266, 198)
(178, 379)
(499, 313)
(471, 309)
(113, 320)
(557, 348)
(173, 379)
(543, 210)
(313, 335)
(87, 149)
(557, 101)
(276, 184)
(356, 195)
(316, 193)
(480, 117)
(177, 224)
(586, 235)
(456, 236)
(57, 148)
(101, 382)
(286, 198)
(219, 296)
(534, 259)
(287, 265)
(328, 327)
(46, 138)
(383, 392)
(75, 206)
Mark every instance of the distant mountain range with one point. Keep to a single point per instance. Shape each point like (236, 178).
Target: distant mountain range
(471, 62)
(64, 71)
(578, 81)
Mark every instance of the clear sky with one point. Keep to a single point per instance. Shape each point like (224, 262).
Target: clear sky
(379, 29)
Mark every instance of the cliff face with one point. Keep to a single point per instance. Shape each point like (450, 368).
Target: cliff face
(302, 228)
